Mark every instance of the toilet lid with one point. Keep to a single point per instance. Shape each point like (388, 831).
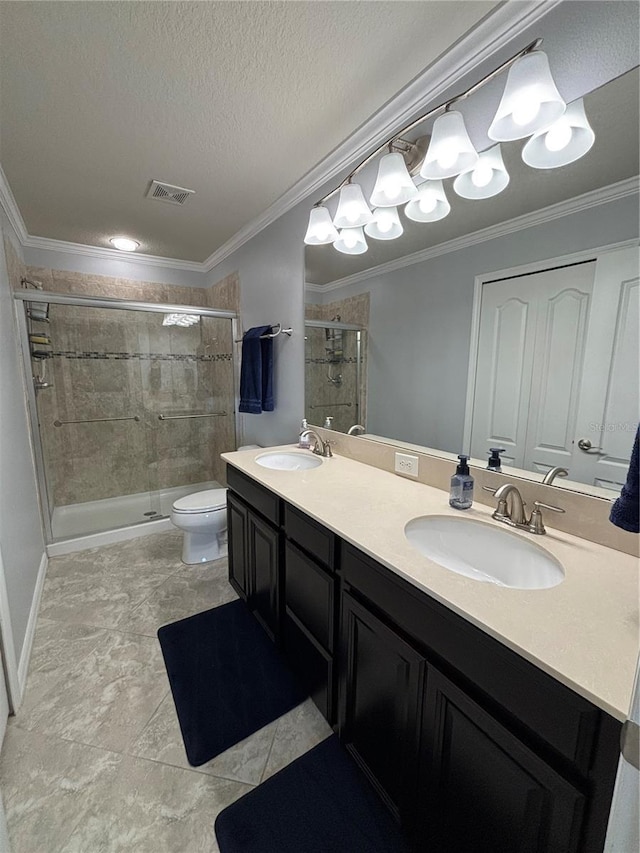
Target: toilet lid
(202, 501)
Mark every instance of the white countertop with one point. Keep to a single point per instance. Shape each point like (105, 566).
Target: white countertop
(583, 632)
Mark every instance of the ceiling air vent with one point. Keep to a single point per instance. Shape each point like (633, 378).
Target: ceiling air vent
(167, 192)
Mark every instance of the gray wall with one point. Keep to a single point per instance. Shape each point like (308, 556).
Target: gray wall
(271, 271)
(420, 321)
(21, 537)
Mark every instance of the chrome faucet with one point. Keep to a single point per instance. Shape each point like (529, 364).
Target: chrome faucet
(515, 515)
(356, 429)
(550, 476)
(320, 447)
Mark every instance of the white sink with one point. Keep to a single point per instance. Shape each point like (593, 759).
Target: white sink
(283, 461)
(483, 552)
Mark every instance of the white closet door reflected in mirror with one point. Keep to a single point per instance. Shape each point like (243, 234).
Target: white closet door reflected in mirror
(556, 379)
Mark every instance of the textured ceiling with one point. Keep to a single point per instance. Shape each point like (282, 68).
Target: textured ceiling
(236, 100)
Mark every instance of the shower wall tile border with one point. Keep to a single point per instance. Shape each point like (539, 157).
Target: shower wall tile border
(140, 356)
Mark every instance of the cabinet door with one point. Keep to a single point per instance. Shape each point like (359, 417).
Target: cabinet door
(482, 790)
(237, 514)
(381, 684)
(264, 572)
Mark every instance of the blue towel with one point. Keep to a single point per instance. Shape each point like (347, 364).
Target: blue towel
(256, 372)
(625, 512)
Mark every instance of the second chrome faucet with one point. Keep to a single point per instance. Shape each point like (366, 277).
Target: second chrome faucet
(511, 509)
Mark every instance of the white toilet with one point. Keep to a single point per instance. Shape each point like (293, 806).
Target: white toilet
(203, 517)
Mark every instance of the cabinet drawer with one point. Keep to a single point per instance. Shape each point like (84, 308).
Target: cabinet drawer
(265, 502)
(312, 665)
(309, 593)
(310, 536)
(535, 702)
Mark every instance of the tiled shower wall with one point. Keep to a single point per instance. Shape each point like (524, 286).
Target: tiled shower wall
(322, 396)
(112, 363)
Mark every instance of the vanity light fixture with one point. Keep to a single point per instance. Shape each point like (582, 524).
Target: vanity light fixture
(351, 241)
(530, 101)
(321, 229)
(394, 185)
(568, 139)
(124, 244)
(530, 104)
(431, 205)
(386, 223)
(450, 150)
(353, 211)
(488, 177)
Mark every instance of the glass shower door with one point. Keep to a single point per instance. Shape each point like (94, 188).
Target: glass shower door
(334, 375)
(91, 420)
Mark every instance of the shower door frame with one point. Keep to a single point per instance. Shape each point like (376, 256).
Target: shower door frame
(26, 296)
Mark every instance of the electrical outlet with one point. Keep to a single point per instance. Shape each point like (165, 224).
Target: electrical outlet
(406, 464)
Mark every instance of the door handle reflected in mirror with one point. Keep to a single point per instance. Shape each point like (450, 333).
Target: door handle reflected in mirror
(585, 445)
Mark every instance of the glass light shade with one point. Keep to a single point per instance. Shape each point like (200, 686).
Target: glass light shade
(351, 241)
(386, 223)
(321, 229)
(487, 178)
(450, 150)
(530, 101)
(353, 211)
(393, 184)
(125, 244)
(568, 139)
(430, 205)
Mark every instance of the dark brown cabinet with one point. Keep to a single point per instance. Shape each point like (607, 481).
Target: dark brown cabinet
(471, 747)
(484, 791)
(310, 600)
(255, 546)
(381, 686)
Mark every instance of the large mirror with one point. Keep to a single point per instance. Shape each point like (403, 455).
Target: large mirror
(523, 336)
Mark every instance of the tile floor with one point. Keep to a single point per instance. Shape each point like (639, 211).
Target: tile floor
(93, 762)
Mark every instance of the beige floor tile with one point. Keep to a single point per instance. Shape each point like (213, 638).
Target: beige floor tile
(188, 591)
(298, 731)
(155, 808)
(57, 649)
(108, 698)
(245, 762)
(102, 598)
(48, 785)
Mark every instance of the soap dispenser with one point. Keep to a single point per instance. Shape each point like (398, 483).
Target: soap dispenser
(305, 442)
(495, 463)
(461, 493)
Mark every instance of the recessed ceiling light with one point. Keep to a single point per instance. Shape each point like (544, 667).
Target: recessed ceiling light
(125, 244)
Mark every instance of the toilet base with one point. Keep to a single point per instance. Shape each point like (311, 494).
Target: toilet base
(200, 548)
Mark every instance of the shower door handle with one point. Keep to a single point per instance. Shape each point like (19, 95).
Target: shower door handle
(96, 420)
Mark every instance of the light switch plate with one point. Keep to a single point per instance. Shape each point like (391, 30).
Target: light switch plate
(406, 464)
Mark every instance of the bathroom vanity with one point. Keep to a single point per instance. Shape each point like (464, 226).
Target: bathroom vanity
(486, 718)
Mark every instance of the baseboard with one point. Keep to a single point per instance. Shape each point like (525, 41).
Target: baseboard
(108, 537)
(29, 634)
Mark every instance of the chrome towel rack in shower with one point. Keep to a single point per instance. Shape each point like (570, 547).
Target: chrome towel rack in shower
(96, 420)
(330, 405)
(180, 417)
(280, 331)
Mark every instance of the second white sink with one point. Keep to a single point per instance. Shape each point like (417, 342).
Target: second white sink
(280, 460)
(483, 552)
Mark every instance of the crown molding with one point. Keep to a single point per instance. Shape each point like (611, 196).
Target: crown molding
(110, 254)
(493, 33)
(10, 207)
(594, 198)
